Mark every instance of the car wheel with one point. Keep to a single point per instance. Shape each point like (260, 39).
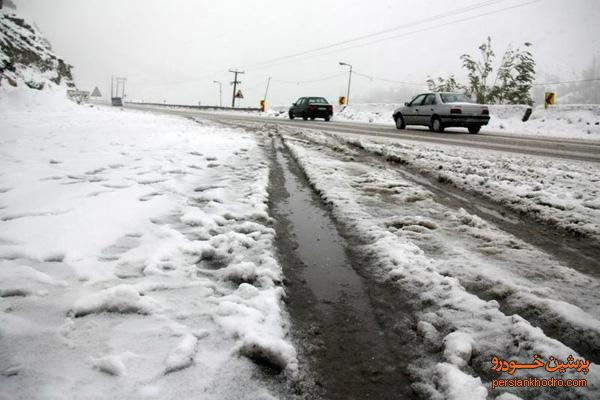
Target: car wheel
(474, 129)
(327, 119)
(400, 122)
(304, 117)
(312, 118)
(291, 114)
(436, 125)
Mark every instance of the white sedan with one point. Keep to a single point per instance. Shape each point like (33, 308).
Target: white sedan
(442, 110)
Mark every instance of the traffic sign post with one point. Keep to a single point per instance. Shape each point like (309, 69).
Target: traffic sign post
(549, 99)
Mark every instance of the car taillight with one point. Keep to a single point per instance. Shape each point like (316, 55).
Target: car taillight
(312, 108)
(485, 111)
(455, 111)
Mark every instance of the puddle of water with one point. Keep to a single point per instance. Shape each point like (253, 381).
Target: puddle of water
(344, 335)
(328, 270)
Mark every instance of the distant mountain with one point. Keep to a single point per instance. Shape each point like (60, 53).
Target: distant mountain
(26, 57)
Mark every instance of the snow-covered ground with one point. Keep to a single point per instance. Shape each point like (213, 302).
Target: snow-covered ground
(560, 193)
(137, 256)
(478, 291)
(136, 260)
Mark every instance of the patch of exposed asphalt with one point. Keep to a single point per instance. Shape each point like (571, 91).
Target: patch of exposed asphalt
(355, 334)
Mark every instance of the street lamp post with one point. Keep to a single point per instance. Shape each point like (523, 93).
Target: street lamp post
(349, 81)
(220, 96)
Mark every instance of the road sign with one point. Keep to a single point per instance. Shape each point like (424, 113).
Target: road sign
(549, 99)
(96, 92)
(342, 100)
(263, 105)
(239, 94)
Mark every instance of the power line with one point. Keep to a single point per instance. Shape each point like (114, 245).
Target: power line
(559, 83)
(375, 78)
(263, 63)
(378, 33)
(404, 34)
(488, 86)
(296, 56)
(298, 82)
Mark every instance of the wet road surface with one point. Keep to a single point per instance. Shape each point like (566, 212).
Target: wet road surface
(573, 149)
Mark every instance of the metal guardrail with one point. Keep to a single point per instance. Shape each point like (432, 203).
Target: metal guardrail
(193, 107)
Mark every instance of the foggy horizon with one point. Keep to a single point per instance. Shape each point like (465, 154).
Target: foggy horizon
(173, 52)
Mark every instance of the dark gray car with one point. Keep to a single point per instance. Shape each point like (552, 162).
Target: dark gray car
(311, 107)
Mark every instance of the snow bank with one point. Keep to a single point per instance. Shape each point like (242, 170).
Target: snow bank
(558, 193)
(136, 258)
(580, 121)
(25, 100)
(378, 113)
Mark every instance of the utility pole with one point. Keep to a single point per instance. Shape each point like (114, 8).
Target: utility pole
(220, 96)
(116, 99)
(234, 83)
(120, 82)
(349, 80)
(267, 89)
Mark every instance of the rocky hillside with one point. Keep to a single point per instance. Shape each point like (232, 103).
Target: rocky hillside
(26, 57)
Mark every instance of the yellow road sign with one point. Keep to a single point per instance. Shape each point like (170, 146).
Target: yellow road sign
(549, 99)
(342, 100)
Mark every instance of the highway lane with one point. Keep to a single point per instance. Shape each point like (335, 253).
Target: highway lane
(573, 149)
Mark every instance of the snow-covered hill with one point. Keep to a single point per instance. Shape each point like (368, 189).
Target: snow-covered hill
(26, 57)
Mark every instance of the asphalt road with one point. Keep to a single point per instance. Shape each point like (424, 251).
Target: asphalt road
(572, 149)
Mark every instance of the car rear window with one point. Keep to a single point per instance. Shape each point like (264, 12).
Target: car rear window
(317, 100)
(455, 98)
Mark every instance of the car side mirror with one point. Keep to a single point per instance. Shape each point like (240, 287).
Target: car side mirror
(294, 104)
(406, 104)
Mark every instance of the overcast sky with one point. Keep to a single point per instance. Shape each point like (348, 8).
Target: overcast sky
(173, 50)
